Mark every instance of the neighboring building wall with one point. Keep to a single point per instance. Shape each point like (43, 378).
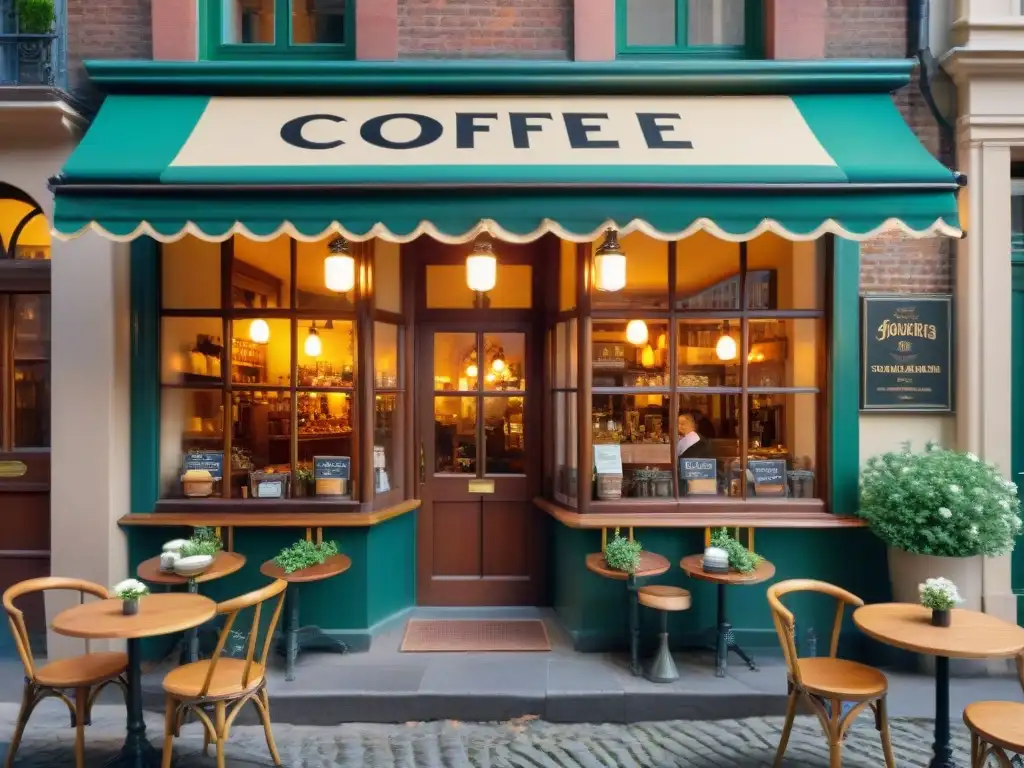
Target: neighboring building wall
(111, 29)
(520, 29)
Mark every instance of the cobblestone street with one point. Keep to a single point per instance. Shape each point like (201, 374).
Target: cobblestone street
(523, 743)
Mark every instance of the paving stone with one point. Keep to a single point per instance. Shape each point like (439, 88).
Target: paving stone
(520, 743)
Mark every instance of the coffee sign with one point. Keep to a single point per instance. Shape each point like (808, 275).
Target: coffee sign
(907, 353)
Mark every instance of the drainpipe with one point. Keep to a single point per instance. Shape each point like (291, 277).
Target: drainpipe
(919, 47)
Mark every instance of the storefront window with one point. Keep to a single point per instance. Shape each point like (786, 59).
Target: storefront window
(680, 27)
(388, 427)
(282, 28)
(31, 314)
(258, 375)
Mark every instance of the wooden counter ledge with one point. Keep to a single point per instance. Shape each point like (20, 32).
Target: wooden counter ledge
(277, 519)
(804, 514)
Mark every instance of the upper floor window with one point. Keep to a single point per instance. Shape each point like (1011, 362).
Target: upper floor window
(714, 28)
(295, 29)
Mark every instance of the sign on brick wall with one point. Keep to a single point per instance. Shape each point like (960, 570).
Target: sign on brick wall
(907, 353)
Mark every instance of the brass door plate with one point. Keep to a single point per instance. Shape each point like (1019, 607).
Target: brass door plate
(481, 486)
(11, 469)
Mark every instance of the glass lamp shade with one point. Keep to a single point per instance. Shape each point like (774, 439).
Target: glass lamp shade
(636, 332)
(498, 363)
(259, 331)
(610, 265)
(340, 273)
(481, 267)
(726, 348)
(313, 346)
(471, 370)
(647, 357)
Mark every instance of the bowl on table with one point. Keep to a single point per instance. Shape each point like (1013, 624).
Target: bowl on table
(193, 566)
(175, 545)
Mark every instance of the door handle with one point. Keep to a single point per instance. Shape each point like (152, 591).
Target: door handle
(423, 464)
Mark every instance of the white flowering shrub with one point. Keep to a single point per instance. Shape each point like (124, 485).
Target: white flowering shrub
(939, 502)
(939, 594)
(129, 589)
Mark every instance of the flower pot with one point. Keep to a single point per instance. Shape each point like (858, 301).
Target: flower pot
(941, 618)
(130, 607)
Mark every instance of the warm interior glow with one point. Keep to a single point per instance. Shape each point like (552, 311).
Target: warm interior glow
(481, 272)
(340, 273)
(726, 348)
(498, 364)
(313, 346)
(611, 272)
(662, 341)
(647, 357)
(636, 332)
(259, 331)
(471, 370)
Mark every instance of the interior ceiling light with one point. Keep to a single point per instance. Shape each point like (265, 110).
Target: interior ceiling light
(339, 267)
(610, 264)
(636, 332)
(482, 266)
(259, 331)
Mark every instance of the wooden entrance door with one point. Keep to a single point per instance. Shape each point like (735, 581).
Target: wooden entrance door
(480, 536)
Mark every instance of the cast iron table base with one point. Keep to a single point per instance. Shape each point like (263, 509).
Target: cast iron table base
(725, 640)
(663, 666)
(943, 753)
(137, 752)
(295, 638)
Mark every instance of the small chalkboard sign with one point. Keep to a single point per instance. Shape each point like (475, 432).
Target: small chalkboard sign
(769, 476)
(211, 461)
(331, 475)
(699, 476)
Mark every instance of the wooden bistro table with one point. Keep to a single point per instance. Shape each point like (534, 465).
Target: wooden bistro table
(725, 640)
(971, 635)
(224, 564)
(159, 614)
(297, 638)
(650, 565)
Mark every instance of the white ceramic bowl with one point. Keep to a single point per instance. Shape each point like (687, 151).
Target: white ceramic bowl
(175, 545)
(193, 566)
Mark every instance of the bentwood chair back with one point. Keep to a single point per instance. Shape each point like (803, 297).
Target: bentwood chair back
(87, 674)
(222, 685)
(995, 728)
(828, 682)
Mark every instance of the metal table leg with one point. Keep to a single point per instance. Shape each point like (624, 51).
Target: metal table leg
(634, 627)
(663, 666)
(192, 635)
(725, 640)
(137, 752)
(943, 753)
(295, 639)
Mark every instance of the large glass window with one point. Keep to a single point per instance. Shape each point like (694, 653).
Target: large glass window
(708, 383)
(300, 29)
(260, 375)
(725, 28)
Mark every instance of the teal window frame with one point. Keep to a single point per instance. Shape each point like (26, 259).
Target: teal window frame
(752, 48)
(212, 47)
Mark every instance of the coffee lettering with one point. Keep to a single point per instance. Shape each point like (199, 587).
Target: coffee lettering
(653, 130)
(291, 132)
(522, 128)
(466, 127)
(579, 131)
(372, 131)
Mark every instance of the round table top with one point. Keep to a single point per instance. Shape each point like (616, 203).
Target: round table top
(971, 634)
(332, 566)
(159, 614)
(693, 565)
(224, 564)
(650, 565)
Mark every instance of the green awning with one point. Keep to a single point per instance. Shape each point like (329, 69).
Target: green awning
(514, 166)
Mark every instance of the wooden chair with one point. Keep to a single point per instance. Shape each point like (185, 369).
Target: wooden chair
(224, 685)
(87, 674)
(997, 728)
(827, 682)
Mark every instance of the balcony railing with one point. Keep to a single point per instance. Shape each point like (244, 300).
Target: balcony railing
(32, 59)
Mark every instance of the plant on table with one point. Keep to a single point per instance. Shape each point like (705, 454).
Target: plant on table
(623, 554)
(304, 554)
(203, 542)
(941, 595)
(303, 480)
(740, 558)
(128, 592)
(939, 502)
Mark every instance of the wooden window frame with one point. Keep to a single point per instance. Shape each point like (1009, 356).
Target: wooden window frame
(752, 47)
(585, 314)
(213, 47)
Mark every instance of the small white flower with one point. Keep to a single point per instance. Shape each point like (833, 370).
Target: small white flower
(954, 488)
(945, 512)
(130, 589)
(1004, 503)
(972, 456)
(974, 530)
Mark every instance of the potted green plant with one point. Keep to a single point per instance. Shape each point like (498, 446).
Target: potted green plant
(939, 512)
(128, 592)
(740, 558)
(303, 485)
(304, 554)
(622, 554)
(35, 17)
(941, 595)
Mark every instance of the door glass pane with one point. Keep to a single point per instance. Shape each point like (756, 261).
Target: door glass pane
(31, 371)
(651, 22)
(387, 442)
(455, 435)
(447, 289)
(505, 361)
(318, 21)
(247, 21)
(455, 362)
(504, 449)
(715, 22)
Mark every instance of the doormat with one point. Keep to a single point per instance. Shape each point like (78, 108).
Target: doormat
(425, 635)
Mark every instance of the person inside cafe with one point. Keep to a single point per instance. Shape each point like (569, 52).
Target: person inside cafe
(690, 443)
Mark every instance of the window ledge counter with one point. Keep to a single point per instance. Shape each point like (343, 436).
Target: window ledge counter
(801, 539)
(351, 607)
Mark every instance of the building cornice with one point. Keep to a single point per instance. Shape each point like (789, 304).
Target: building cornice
(40, 111)
(966, 63)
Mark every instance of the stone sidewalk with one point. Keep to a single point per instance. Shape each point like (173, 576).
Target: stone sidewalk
(526, 743)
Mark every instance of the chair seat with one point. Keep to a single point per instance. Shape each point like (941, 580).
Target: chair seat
(186, 681)
(841, 679)
(1000, 723)
(662, 597)
(79, 671)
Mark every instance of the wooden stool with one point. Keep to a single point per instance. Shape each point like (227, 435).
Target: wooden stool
(663, 599)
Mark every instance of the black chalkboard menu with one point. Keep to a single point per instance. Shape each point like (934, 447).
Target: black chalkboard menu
(699, 476)
(769, 476)
(211, 461)
(907, 353)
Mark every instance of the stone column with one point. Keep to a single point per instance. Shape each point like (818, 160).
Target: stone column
(90, 397)
(594, 30)
(176, 30)
(377, 30)
(794, 29)
(984, 322)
